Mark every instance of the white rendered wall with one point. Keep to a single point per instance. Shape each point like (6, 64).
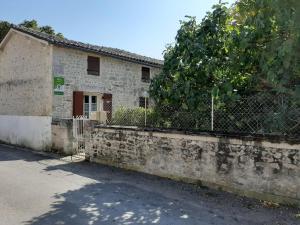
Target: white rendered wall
(30, 131)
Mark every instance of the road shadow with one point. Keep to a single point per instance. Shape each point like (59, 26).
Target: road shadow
(13, 153)
(113, 203)
(128, 197)
(118, 196)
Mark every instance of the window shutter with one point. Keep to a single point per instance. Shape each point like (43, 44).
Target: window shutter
(93, 65)
(107, 105)
(146, 74)
(77, 103)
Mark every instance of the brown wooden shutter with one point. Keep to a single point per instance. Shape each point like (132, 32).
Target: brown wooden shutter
(77, 103)
(107, 105)
(93, 65)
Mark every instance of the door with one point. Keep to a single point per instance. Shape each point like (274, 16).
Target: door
(77, 103)
(107, 106)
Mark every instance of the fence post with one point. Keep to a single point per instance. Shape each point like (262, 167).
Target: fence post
(212, 112)
(146, 112)
(146, 96)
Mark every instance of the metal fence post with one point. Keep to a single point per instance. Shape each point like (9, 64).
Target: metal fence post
(212, 112)
(146, 96)
(146, 112)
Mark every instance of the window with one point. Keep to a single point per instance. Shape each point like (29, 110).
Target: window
(145, 74)
(94, 103)
(142, 102)
(89, 104)
(93, 65)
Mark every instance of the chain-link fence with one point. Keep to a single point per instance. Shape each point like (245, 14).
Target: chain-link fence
(261, 114)
(257, 114)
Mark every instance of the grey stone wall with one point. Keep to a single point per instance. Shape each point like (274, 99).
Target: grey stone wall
(120, 78)
(255, 168)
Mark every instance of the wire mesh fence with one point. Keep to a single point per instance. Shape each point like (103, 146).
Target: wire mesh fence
(262, 114)
(257, 114)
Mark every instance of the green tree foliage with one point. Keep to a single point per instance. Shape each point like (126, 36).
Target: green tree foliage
(196, 62)
(249, 47)
(4, 28)
(32, 24)
(268, 43)
(48, 30)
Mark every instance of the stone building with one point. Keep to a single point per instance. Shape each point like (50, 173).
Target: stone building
(44, 77)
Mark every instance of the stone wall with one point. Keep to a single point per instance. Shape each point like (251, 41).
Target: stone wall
(62, 136)
(120, 78)
(253, 167)
(25, 76)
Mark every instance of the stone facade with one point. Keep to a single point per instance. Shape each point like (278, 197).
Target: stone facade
(120, 78)
(26, 72)
(25, 76)
(28, 65)
(259, 168)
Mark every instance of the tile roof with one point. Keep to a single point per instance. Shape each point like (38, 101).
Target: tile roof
(107, 51)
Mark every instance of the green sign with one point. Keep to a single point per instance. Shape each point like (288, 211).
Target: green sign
(59, 85)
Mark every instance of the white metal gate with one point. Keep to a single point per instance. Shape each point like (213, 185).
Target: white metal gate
(80, 134)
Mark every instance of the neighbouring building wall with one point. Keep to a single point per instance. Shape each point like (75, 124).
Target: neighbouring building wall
(25, 91)
(28, 131)
(120, 78)
(62, 136)
(255, 168)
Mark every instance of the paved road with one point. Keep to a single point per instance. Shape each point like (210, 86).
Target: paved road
(39, 189)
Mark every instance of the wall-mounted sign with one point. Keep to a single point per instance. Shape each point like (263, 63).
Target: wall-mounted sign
(59, 85)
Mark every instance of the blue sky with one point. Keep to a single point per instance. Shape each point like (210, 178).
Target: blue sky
(140, 26)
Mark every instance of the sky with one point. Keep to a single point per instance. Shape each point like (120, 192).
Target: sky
(141, 26)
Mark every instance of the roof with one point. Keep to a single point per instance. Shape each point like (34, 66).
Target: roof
(101, 50)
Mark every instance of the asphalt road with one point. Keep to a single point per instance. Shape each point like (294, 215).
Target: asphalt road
(42, 189)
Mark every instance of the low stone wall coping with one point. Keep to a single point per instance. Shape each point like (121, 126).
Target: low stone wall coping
(221, 136)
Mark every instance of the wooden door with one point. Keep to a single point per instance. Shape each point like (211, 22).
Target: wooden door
(77, 103)
(107, 105)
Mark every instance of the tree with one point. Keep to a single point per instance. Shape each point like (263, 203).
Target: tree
(47, 29)
(32, 24)
(252, 46)
(4, 28)
(268, 43)
(197, 63)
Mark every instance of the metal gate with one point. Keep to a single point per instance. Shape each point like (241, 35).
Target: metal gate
(80, 135)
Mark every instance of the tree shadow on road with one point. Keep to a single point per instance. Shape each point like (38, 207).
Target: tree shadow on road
(125, 197)
(118, 203)
(116, 196)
